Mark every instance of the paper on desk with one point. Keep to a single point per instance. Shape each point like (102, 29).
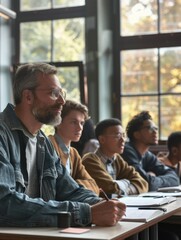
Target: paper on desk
(160, 194)
(74, 230)
(175, 189)
(136, 215)
(139, 201)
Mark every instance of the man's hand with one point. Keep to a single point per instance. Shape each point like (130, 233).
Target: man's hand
(107, 213)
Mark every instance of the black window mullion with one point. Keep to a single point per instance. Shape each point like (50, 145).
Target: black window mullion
(159, 17)
(52, 41)
(159, 93)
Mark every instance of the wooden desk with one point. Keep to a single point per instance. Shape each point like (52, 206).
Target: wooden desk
(101, 233)
(121, 231)
(175, 218)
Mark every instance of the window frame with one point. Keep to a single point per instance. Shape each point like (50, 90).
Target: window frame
(137, 42)
(45, 15)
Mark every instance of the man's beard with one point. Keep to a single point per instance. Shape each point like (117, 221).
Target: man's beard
(47, 116)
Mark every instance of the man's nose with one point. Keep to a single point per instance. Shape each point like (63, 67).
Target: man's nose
(61, 100)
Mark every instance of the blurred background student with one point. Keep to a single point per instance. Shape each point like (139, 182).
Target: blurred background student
(142, 132)
(173, 157)
(88, 141)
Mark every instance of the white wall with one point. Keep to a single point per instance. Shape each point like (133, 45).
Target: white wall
(6, 52)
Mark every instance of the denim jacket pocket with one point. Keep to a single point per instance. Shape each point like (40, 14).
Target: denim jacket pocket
(48, 184)
(20, 183)
(50, 172)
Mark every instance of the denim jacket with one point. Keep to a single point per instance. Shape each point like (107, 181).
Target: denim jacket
(58, 191)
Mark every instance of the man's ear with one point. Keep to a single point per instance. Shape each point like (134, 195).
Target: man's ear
(101, 139)
(27, 95)
(174, 151)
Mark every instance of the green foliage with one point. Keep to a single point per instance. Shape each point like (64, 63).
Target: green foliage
(69, 45)
(46, 4)
(140, 16)
(48, 130)
(35, 41)
(69, 42)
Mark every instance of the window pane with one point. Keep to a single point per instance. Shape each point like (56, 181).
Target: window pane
(69, 40)
(138, 17)
(35, 41)
(133, 105)
(28, 5)
(68, 3)
(69, 79)
(170, 63)
(139, 71)
(170, 15)
(170, 115)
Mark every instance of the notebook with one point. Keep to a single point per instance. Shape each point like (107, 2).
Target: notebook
(136, 215)
(175, 189)
(139, 201)
(161, 194)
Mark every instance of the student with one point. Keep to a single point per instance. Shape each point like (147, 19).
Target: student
(33, 184)
(106, 166)
(142, 133)
(73, 115)
(88, 141)
(173, 157)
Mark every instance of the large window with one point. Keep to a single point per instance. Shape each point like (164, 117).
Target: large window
(53, 31)
(150, 60)
(146, 50)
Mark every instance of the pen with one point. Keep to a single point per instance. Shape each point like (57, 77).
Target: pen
(149, 196)
(105, 195)
(153, 208)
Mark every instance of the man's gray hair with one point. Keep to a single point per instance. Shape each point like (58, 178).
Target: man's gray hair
(26, 77)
